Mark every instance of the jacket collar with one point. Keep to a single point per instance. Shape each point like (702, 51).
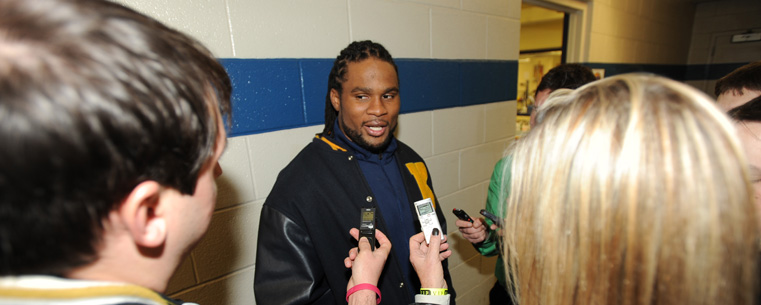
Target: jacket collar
(342, 143)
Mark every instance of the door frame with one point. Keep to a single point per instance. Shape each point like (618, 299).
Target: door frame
(579, 24)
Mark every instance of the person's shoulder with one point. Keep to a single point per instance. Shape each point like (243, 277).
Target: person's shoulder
(312, 163)
(315, 149)
(504, 161)
(27, 290)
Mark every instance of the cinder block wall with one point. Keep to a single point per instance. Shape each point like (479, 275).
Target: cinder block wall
(719, 20)
(641, 31)
(460, 141)
(460, 138)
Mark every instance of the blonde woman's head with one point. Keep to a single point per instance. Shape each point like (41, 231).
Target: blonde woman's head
(633, 191)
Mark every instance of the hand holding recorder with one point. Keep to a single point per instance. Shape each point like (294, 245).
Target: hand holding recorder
(473, 229)
(366, 264)
(426, 258)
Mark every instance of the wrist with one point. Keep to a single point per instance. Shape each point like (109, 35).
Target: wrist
(361, 287)
(434, 291)
(434, 284)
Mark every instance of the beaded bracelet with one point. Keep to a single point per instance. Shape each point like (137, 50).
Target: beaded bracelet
(361, 287)
(433, 291)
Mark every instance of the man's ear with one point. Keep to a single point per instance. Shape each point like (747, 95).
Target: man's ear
(335, 99)
(142, 215)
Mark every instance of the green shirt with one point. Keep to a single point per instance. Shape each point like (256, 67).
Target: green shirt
(491, 246)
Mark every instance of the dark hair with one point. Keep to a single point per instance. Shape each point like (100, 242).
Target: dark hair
(569, 76)
(356, 51)
(747, 76)
(750, 111)
(95, 98)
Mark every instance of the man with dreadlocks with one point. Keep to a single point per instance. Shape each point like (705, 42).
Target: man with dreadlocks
(354, 163)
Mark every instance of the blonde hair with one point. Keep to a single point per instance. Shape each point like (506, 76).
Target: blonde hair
(635, 191)
(555, 100)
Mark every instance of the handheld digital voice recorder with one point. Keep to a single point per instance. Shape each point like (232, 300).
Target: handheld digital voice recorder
(462, 215)
(496, 220)
(428, 220)
(367, 225)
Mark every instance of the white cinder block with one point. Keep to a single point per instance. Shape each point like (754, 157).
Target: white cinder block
(289, 28)
(403, 28)
(462, 249)
(458, 34)
(501, 38)
(633, 7)
(230, 242)
(416, 130)
(638, 51)
(471, 200)
(478, 295)
(477, 163)
(468, 275)
(271, 152)
(457, 128)
(603, 19)
(439, 3)
(488, 264)
(707, 9)
(491, 7)
(233, 289)
(514, 9)
(600, 50)
(183, 278)
(500, 120)
(445, 170)
(236, 185)
(205, 20)
(647, 8)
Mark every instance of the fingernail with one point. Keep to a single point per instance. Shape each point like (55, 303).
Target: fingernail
(436, 231)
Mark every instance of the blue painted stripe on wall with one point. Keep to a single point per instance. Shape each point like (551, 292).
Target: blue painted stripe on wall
(676, 72)
(276, 94)
(710, 72)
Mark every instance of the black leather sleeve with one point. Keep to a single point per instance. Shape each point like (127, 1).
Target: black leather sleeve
(286, 265)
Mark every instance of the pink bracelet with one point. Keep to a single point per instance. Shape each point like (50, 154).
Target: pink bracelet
(361, 287)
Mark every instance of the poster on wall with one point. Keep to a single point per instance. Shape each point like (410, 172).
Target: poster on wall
(599, 73)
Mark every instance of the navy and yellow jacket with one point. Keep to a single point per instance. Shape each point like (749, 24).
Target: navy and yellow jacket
(305, 221)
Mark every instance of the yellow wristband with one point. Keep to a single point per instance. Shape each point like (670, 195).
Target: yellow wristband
(433, 291)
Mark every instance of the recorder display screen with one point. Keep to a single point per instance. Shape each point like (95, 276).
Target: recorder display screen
(425, 208)
(368, 215)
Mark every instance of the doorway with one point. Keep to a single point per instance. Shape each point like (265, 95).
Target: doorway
(542, 47)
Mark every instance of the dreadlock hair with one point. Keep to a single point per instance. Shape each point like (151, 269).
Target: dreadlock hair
(356, 51)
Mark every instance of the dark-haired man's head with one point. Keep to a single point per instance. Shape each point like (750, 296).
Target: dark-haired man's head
(363, 95)
(112, 127)
(739, 86)
(570, 76)
(748, 123)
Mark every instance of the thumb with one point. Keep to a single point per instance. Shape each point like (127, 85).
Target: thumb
(364, 244)
(435, 244)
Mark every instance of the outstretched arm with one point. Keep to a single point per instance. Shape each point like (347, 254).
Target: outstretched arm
(366, 267)
(427, 258)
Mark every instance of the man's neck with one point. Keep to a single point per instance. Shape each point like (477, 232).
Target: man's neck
(345, 141)
(119, 260)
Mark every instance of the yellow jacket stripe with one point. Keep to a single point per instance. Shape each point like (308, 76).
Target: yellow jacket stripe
(418, 170)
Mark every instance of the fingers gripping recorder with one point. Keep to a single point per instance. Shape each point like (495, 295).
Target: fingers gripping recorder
(367, 226)
(428, 219)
